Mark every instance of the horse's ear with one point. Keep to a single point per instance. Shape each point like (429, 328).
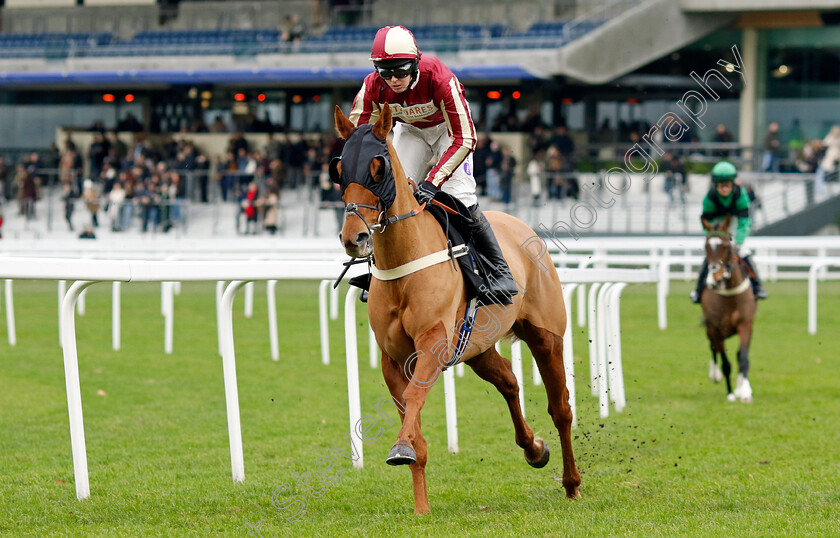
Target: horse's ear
(706, 225)
(378, 168)
(335, 170)
(383, 125)
(725, 226)
(343, 125)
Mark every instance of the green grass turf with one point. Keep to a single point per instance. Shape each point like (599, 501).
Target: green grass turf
(680, 460)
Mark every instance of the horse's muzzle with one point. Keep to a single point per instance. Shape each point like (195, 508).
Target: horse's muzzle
(360, 246)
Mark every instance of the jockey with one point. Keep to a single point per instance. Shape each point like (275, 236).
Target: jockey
(727, 198)
(434, 134)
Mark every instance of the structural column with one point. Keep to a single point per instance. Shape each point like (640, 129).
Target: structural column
(749, 93)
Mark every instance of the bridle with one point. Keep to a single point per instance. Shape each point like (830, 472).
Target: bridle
(383, 221)
(361, 148)
(728, 262)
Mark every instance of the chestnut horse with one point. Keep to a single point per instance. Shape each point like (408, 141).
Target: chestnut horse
(729, 307)
(415, 317)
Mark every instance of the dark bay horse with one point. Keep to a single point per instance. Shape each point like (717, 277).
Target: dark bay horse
(729, 307)
(415, 312)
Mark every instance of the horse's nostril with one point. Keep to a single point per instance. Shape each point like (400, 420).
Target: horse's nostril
(339, 237)
(362, 238)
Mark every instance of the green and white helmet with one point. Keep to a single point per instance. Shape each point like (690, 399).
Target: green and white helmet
(724, 171)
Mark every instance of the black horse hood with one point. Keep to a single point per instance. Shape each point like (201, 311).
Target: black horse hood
(361, 147)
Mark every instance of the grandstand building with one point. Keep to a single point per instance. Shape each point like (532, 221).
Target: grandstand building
(590, 63)
(607, 69)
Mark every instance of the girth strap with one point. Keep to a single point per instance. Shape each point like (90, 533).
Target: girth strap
(419, 264)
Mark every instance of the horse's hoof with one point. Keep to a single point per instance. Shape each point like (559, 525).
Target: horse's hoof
(543, 461)
(730, 397)
(401, 455)
(573, 493)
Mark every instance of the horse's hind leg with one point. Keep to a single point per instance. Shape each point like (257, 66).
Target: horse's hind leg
(547, 348)
(493, 368)
(397, 383)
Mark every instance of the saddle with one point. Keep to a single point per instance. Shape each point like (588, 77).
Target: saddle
(456, 227)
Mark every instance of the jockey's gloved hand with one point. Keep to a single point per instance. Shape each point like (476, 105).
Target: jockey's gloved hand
(426, 192)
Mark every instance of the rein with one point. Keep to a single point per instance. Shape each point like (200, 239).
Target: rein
(383, 221)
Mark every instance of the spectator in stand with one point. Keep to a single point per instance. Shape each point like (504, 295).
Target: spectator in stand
(49, 165)
(129, 184)
(219, 126)
(331, 196)
(248, 205)
(5, 180)
(538, 140)
(722, 136)
(533, 120)
(831, 143)
(237, 142)
(675, 178)
(70, 168)
(116, 199)
(98, 126)
(492, 163)
(69, 199)
(554, 173)
(227, 175)
(563, 141)
(148, 198)
(480, 163)
(772, 149)
(271, 206)
(28, 191)
(535, 173)
(297, 30)
(507, 174)
(198, 126)
(130, 124)
(140, 151)
(809, 159)
(90, 196)
(171, 196)
(297, 158)
(246, 165)
(107, 177)
(187, 163)
(99, 149)
(827, 170)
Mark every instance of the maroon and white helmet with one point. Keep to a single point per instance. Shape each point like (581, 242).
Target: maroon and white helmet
(395, 53)
(394, 43)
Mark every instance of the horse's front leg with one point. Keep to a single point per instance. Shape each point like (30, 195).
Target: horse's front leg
(743, 390)
(717, 346)
(397, 382)
(425, 367)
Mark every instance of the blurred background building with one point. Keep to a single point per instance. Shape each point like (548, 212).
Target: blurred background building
(223, 93)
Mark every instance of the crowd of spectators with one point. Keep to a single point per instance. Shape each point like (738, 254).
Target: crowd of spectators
(143, 185)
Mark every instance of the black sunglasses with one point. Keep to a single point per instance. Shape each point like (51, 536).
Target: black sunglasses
(401, 71)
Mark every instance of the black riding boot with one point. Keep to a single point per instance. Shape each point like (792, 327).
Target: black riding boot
(697, 294)
(501, 284)
(758, 289)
